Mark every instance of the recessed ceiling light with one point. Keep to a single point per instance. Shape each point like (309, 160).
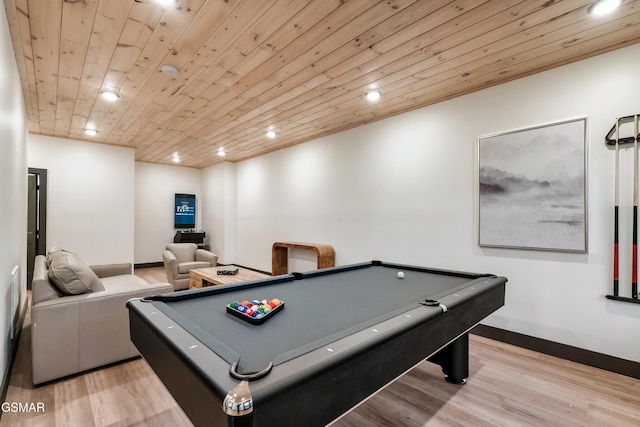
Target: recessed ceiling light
(373, 95)
(109, 95)
(170, 70)
(90, 132)
(160, 2)
(221, 152)
(604, 7)
(176, 158)
(271, 134)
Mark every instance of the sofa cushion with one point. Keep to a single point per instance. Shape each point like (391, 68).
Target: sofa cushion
(56, 250)
(124, 282)
(184, 252)
(186, 267)
(72, 276)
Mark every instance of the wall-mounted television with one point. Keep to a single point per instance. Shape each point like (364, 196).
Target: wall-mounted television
(185, 210)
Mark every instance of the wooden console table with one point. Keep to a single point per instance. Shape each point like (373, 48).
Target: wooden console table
(280, 255)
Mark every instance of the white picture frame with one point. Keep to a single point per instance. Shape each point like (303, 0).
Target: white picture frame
(532, 188)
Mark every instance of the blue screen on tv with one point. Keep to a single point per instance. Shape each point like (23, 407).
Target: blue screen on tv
(185, 211)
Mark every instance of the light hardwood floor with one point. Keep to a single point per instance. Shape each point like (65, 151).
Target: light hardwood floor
(508, 386)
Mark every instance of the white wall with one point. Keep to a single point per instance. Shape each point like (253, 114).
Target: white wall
(90, 200)
(155, 186)
(105, 206)
(13, 184)
(405, 189)
(220, 191)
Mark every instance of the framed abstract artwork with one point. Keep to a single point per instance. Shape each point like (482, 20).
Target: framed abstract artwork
(532, 188)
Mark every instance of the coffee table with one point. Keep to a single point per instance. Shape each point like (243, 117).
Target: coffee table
(203, 277)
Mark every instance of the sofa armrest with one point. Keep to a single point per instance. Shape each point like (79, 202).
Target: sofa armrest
(79, 332)
(168, 258)
(108, 270)
(170, 264)
(207, 256)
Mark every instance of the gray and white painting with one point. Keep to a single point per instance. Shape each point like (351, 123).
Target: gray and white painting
(532, 188)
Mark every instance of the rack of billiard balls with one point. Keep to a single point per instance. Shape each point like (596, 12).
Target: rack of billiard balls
(255, 312)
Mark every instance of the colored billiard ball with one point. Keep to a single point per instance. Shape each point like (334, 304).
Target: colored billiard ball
(400, 275)
(276, 301)
(241, 308)
(245, 303)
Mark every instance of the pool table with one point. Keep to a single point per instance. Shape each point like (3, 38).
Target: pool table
(343, 334)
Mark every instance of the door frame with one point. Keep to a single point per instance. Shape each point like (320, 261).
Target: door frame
(41, 209)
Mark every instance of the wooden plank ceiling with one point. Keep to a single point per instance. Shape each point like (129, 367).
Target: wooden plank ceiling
(298, 67)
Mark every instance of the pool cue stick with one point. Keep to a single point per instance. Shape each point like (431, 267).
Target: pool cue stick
(616, 289)
(634, 269)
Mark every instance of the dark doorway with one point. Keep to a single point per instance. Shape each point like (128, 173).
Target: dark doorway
(36, 218)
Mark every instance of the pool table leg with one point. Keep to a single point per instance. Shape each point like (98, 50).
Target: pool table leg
(243, 421)
(454, 360)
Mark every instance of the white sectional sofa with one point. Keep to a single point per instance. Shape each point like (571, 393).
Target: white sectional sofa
(78, 316)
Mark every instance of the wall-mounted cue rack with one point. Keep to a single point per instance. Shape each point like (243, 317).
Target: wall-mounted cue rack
(612, 139)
